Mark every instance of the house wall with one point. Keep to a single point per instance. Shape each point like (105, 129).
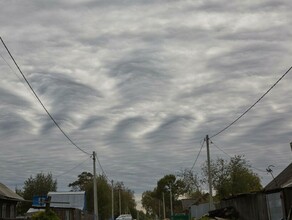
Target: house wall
(197, 211)
(68, 214)
(7, 209)
(287, 198)
(249, 206)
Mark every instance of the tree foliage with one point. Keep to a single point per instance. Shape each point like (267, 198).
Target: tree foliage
(152, 201)
(84, 179)
(232, 177)
(104, 192)
(228, 178)
(49, 215)
(191, 182)
(39, 185)
(192, 186)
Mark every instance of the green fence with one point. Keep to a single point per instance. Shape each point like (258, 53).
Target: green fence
(180, 217)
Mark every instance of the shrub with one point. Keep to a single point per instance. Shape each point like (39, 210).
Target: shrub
(50, 215)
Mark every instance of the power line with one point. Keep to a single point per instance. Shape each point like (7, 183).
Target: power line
(220, 149)
(246, 111)
(264, 171)
(73, 168)
(198, 154)
(102, 170)
(51, 117)
(15, 74)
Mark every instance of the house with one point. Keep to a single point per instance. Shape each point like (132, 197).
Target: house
(273, 202)
(8, 202)
(68, 205)
(283, 180)
(279, 195)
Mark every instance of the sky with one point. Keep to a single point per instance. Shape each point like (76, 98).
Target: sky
(142, 83)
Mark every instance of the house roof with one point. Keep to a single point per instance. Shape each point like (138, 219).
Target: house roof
(284, 179)
(7, 193)
(74, 200)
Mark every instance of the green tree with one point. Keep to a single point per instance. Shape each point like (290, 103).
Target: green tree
(85, 183)
(150, 203)
(190, 181)
(126, 196)
(41, 184)
(84, 179)
(104, 192)
(152, 200)
(232, 177)
(192, 186)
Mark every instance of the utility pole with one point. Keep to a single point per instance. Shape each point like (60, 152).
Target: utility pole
(94, 188)
(171, 208)
(209, 174)
(112, 200)
(120, 202)
(159, 209)
(163, 205)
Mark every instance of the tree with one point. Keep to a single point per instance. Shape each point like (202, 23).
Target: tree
(152, 200)
(233, 177)
(41, 184)
(84, 179)
(85, 183)
(149, 202)
(192, 186)
(128, 204)
(190, 181)
(104, 190)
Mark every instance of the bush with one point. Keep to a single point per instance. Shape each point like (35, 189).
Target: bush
(50, 215)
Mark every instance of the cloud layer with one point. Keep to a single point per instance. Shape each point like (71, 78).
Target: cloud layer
(142, 83)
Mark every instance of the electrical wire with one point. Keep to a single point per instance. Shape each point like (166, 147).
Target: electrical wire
(16, 74)
(220, 149)
(102, 170)
(264, 171)
(10, 67)
(246, 111)
(51, 117)
(68, 171)
(198, 154)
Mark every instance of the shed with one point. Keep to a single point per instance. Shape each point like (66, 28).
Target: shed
(279, 194)
(283, 180)
(8, 202)
(68, 205)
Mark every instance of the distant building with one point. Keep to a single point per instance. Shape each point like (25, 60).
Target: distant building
(8, 202)
(272, 203)
(68, 205)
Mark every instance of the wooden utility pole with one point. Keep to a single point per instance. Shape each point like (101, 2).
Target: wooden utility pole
(209, 174)
(171, 208)
(163, 205)
(120, 202)
(112, 200)
(94, 188)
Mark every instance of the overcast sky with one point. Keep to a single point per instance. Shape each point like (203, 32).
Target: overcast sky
(142, 83)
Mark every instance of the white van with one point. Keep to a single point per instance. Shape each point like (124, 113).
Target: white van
(125, 217)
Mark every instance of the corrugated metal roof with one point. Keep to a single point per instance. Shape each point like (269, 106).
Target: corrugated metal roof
(7, 193)
(68, 200)
(284, 179)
